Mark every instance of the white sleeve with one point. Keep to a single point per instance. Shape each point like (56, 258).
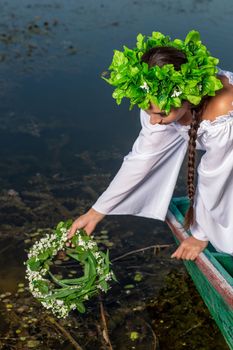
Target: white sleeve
(145, 182)
(214, 195)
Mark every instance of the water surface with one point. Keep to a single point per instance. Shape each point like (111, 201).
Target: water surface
(62, 136)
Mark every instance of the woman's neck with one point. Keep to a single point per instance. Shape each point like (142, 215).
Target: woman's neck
(186, 119)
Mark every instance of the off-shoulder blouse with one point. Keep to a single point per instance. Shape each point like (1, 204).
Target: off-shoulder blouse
(145, 182)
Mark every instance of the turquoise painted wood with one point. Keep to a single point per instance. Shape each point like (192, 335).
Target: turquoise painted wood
(211, 272)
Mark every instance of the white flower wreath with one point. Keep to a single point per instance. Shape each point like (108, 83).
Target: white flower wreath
(72, 292)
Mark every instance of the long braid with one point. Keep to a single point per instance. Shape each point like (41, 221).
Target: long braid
(190, 214)
(189, 217)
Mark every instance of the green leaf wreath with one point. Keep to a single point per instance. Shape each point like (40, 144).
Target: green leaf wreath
(71, 293)
(164, 86)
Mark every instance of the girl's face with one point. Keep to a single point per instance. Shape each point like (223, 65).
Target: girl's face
(159, 117)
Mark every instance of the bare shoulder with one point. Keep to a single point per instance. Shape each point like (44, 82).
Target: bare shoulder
(221, 103)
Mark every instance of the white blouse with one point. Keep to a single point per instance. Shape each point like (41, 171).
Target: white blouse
(145, 182)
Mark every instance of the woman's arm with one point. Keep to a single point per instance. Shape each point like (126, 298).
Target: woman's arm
(145, 182)
(214, 195)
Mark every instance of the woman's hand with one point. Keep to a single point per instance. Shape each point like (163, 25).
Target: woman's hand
(87, 221)
(189, 249)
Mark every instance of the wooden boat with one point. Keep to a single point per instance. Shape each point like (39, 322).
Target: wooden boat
(211, 272)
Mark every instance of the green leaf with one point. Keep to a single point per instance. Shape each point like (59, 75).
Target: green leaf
(158, 36)
(144, 104)
(192, 83)
(60, 225)
(193, 35)
(69, 223)
(154, 100)
(176, 102)
(43, 256)
(71, 281)
(104, 285)
(73, 255)
(42, 286)
(140, 41)
(86, 269)
(145, 67)
(61, 293)
(88, 283)
(33, 264)
(176, 77)
(132, 91)
(118, 94)
(108, 80)
(83, 256)
(107, 257)
(78, 249)
(92, 264)
(133, 71)
(132, 104)
(114, 277)
(80, 307)
(167, 107)
(162, 100)
(58, 282)
(185, 68)
(178, 43)
(118, 59)
(160, 74)
(194, 99)
(217, 83)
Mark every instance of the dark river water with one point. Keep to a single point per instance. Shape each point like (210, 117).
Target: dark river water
(62, 136)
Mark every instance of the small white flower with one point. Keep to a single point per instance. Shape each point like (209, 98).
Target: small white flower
(108, 277)
(63, 230)
(176, 93)
(100, 287)
(90, 245)
(200, 86)
(145, 87)
(81, 242)
(97, 255)
(99, 270)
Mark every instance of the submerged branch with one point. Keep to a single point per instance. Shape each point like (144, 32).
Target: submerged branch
(155, 247)
(65, 333)
(156, 342)
(105, 327)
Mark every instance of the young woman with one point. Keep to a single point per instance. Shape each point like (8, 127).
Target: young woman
(145, 182)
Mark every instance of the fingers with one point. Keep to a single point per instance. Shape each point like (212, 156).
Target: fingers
(89, 228)
(77, 224)
(183, 252)
(87, 221)
(190, 255)
(178, 253)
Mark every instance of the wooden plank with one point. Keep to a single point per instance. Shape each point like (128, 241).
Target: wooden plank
(212, 281)
(203, 263)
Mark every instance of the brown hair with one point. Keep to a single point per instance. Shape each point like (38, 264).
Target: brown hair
(159, 56)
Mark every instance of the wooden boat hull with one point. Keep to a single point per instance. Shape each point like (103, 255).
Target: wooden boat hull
(211, 272)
